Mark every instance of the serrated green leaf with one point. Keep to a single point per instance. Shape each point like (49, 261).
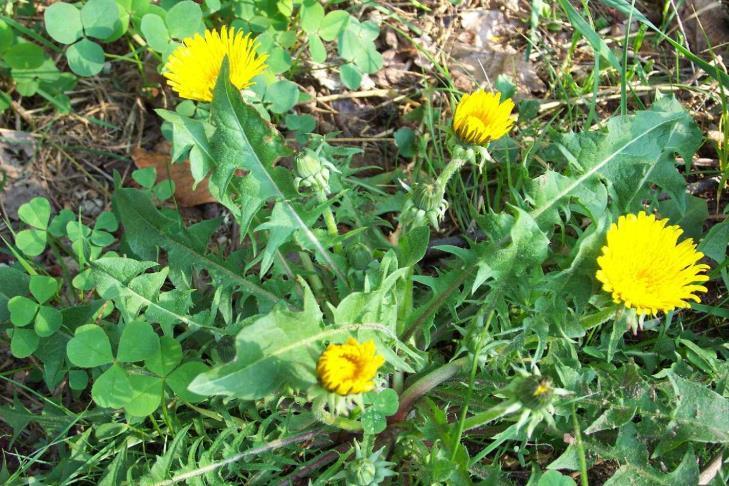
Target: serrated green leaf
(529, 247)
(412, 246)
(163, 464)
(122, 280)
(147, 229)
(114, 473)
(714, 244)
(702, 415)
(190, 133)
(612, 418)
(623, 154)
(634, 475)
(275, 349)
(243, 140)
(278, 348)
(281, 226)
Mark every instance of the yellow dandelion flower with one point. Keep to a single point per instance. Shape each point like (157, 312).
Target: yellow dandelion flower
(645, 268)
(349, 368)
(192, 69)
(481, 117)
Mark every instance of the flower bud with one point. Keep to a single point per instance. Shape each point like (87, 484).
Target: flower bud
(312, 172)
(359, 256)
(362, 472)
(368, 470)
(425, 206)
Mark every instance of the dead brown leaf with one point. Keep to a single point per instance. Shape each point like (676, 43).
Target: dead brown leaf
(178, 172)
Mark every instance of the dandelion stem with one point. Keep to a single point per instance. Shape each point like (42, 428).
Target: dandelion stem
(427, 383)
(469, 392)
(330, 221)
(313, 276)
(580, 448)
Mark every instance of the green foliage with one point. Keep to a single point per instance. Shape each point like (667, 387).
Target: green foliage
(274, 350)
(153, 350)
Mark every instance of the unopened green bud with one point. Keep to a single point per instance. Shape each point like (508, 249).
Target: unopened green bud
(362, 473)
(425, 206)
(359, 256)
(427, 197)
(368, 470)
(312, 172)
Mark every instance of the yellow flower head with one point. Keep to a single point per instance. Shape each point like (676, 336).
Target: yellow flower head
(481, 117)
(192, 69)
(349, 368)
(644, 267)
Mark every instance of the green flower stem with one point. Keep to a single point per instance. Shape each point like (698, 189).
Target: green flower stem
(398, 381)
(314, 279)
(450, 169)
(464, 409)
(330, 221)
(56, 249)
(499, 410)
(166, 415)
(427, 383)
(407, 302)
(580, 447)
(471, 380)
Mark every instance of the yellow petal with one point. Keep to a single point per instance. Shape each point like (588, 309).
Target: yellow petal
(643, 266)
(192, 69)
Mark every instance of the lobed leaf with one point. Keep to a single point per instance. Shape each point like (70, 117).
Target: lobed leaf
(244, 141)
